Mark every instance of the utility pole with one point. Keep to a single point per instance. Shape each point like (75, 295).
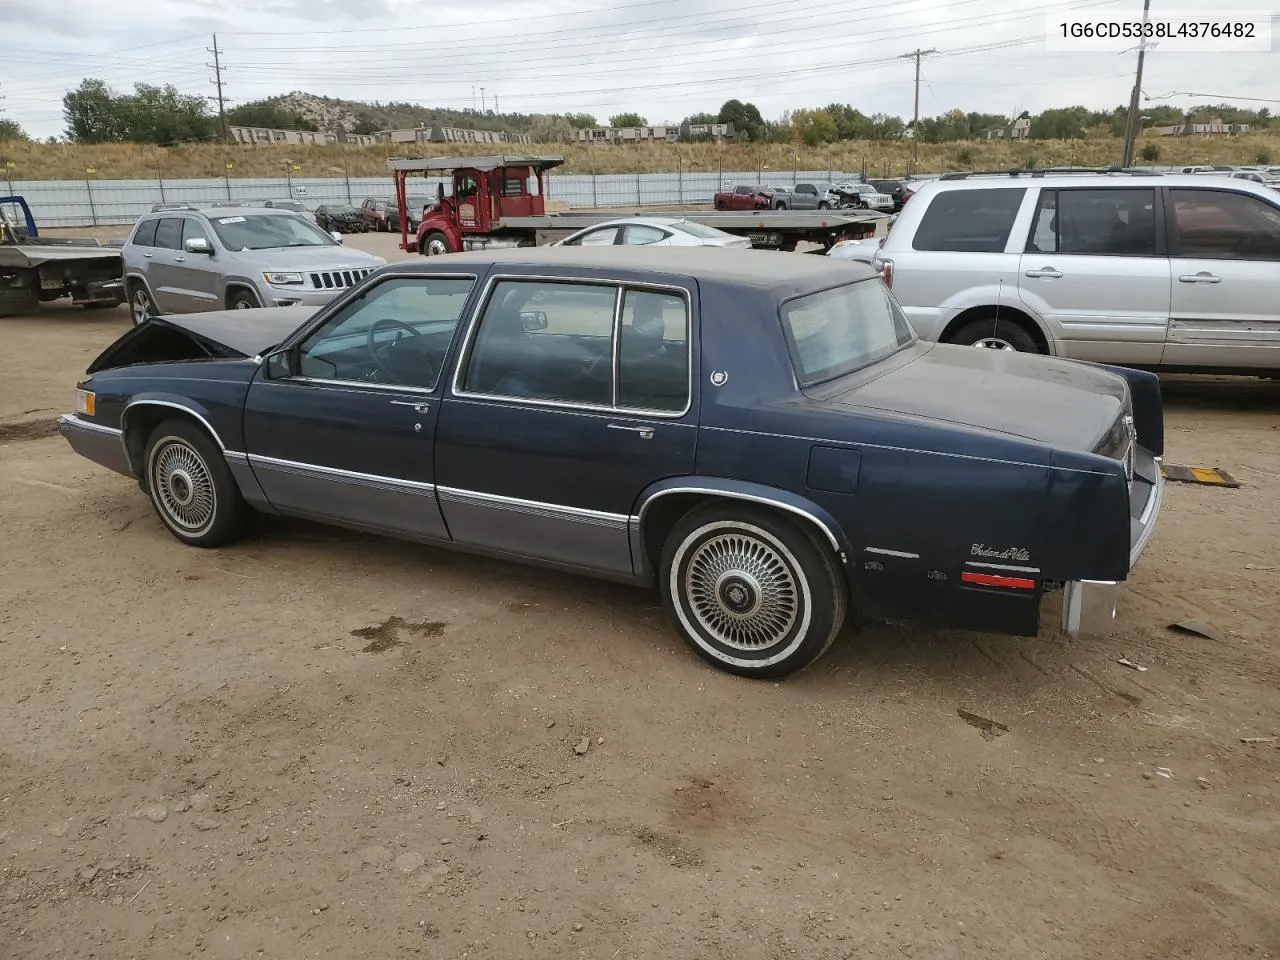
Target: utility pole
(217, 80)
(916, 55)
(482, 99)
(1131, 121)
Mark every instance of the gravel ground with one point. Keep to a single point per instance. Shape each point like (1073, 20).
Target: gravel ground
(321, 744)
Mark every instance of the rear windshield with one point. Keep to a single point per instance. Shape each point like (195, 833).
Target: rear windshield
(837, 331)
(267, 231)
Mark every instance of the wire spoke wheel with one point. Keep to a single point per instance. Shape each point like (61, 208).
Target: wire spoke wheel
(742, 591)
(183, 486)
(994, 343)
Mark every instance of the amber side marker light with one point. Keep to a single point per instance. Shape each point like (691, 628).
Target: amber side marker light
(84, 402)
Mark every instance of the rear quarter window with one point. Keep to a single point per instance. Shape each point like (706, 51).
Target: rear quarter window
(969, 221)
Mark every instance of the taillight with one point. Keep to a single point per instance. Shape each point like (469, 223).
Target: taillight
(886, 271)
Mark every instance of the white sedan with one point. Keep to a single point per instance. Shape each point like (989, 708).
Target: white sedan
(652, 231)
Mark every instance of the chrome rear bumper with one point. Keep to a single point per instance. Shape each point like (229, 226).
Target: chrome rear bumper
(1089, 606)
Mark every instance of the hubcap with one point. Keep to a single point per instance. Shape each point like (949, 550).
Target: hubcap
(243, 305)
(742, 592)
(435, 248)
(994, 343)
(183, 487)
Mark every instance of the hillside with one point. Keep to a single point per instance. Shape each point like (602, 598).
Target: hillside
(298, 110)
(38, 161)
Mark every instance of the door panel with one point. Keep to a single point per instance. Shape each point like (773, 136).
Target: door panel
(342, 452)
(540, 451)
(163, 266)
(194, 279)
(1226, 271)
(342, 427)
(1093, 271)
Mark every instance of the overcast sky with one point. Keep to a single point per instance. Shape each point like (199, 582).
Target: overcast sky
(664, 59)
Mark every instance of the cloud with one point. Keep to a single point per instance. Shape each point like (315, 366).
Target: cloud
(664, 59)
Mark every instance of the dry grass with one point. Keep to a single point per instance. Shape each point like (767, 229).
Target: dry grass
(36, 161)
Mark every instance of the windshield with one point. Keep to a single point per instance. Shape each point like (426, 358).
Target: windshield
(699, 230)
(832, 333)
(263, 231)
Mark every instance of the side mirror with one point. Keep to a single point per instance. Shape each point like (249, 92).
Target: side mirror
(336, 235)
(533, 320)
(279, 364)
(439, 192)
(198, 245)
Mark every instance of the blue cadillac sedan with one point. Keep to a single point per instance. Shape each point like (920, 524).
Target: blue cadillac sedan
(761, 437)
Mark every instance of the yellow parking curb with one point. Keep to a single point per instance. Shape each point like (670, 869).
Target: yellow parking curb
(1209, 476)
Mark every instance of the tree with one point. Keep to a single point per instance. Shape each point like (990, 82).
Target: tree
(1067, 123)
(747, 122)
(627, 120)
(814, 127)
(96, 114)
(581, 121)
(10, 130)
(91, 113)
(1150, 153)
(885, 127)
(551, 130)
(851, 124)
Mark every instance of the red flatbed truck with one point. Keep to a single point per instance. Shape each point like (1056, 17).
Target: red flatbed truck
(491, 205)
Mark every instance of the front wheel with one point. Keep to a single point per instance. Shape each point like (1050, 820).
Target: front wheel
(751, 592)
(824, 205)
(995, 334)
(435, 244)
(244, 300)
(191, 486)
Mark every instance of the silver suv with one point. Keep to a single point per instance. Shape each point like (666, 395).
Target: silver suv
(188, 261)
(1171, 272)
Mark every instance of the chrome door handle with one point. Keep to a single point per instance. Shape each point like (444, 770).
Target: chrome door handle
(180, 259)
(1199, 278)
(646, 433)
(418, 405)
(147, 255)
(1044, 272)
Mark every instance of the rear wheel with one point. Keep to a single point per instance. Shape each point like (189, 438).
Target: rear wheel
(140, 305)
(191, 487)
(824, 205)
(781, 205)
(993, 334)
(751, 592)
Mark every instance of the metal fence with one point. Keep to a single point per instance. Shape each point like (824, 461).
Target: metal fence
(90, 202)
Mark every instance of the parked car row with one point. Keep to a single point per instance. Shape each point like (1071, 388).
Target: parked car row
(880, 195)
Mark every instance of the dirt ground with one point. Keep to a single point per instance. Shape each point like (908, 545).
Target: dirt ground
(321, 744)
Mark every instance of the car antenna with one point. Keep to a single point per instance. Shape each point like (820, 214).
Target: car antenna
(995, 320)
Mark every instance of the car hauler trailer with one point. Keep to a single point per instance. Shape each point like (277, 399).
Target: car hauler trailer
(500, 202)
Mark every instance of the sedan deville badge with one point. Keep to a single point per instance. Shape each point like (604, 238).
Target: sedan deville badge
(990, 553)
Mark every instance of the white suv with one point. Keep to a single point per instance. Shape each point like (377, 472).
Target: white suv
(1173, 272)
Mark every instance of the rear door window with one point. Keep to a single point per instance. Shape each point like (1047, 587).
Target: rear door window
(969, 221)
(639, 234)
(169, 233)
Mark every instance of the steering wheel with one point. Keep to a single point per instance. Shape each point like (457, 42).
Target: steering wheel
(375, 351)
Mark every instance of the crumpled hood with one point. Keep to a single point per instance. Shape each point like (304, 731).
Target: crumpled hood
(1061, 403)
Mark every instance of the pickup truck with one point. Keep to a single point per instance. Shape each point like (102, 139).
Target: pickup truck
(36, 269)
(744, 196)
